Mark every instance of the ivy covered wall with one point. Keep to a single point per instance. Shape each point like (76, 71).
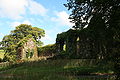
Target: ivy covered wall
(27, 48)
(79, 43)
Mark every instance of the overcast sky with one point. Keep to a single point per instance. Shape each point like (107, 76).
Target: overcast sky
(49, 15)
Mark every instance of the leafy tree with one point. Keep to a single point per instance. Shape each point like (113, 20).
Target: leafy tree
(10, 41)
(103, 18)
(23, 30)
(84, 10)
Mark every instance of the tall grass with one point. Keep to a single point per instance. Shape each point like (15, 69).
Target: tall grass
(56, 70)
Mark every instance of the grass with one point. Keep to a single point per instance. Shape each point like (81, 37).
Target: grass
(54, 70)
(2, 54)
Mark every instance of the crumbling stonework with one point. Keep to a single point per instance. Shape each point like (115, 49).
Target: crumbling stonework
(28, 50)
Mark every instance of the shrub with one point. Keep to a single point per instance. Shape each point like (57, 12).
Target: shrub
(47, 50)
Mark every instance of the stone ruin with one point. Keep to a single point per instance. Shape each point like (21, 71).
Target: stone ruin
(27, 50)
(78, 44)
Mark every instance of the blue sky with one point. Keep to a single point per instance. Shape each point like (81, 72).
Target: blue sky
(49, 15)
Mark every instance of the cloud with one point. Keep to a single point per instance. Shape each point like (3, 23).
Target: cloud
(16, 9)
(14, 24)
(62, 18)
(47, 37)
(27, 22)
(1, 35)
(0, 39)
(13, 8)
(36, 8)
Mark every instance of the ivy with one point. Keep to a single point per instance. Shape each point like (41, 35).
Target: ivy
(18, 37)
(24, 40)
(47, 50)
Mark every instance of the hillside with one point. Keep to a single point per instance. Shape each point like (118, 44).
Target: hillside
(57, 70)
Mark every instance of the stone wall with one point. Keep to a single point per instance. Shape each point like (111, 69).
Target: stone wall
(28, 50)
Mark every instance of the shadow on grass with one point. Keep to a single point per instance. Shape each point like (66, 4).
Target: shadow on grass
(56, 70)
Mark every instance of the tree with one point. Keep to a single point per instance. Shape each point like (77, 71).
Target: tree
(23, 30)
(90, 13)
(10, 42)
(84, 10)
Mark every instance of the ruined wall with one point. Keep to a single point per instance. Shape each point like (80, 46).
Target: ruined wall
(28, 50)
(79, 44)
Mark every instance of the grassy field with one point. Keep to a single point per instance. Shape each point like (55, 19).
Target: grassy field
(2, 54)
(56, 70)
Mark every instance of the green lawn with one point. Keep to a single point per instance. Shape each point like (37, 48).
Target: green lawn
(55, 70)
(2, 54)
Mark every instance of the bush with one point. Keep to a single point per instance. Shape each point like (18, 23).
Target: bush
(47, 50)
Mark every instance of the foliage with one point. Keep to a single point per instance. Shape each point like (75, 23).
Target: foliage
(60, 41)
(60, 55)
(2, 54)
(47, 50)
(102, 17)
(29, 53)
(57, 70)
(61, 36)
(67, 40)
(85, 9)
(73, 40)
(24, 40)
(18, 37)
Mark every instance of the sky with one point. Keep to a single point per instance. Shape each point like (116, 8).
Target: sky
(50, 15)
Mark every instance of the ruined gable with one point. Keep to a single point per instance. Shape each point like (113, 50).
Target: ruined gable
(27, 49)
